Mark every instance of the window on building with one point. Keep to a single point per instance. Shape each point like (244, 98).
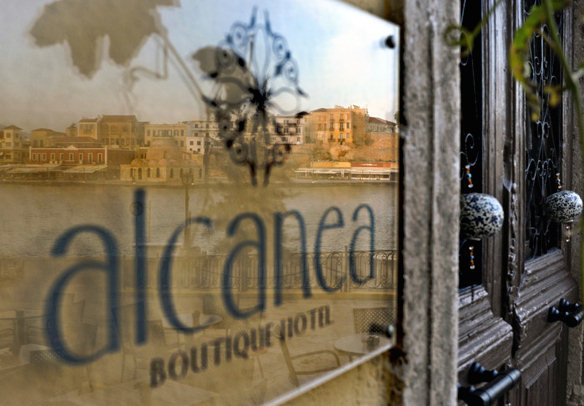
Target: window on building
(44, 157)
(99, 157)
(52, 156)
(90, 157)
(71, 157)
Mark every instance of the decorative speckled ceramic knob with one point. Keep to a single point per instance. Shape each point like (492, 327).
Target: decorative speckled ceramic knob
(564, 206)
(481, 215)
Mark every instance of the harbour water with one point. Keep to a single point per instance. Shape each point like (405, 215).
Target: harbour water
(33, 216)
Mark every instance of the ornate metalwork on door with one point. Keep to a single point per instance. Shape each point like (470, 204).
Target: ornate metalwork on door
(543, 150)
(471, 141)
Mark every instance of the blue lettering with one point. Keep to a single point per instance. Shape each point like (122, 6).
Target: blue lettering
(317, 265)
(111, 269)
(278, 233)
(165, 277)
(140, 260)
(371, 229)
(260, 245)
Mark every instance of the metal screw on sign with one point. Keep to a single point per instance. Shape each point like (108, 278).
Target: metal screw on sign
(390, 42)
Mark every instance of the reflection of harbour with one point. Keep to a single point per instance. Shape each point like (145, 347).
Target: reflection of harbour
(35, 215)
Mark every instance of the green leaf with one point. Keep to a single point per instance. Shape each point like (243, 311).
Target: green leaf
(457, 36)
(519, 51)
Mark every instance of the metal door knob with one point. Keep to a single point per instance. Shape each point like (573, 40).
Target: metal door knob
(500, 384)
(570, 314)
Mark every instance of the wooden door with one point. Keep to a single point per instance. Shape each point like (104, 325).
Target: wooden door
(523, 270)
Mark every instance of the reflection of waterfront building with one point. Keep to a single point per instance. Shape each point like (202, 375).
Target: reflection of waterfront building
(337, 125)
(124, 131)
(73, 156)
(176, 131)
(289, 130)
(86, 127)
(164, 161)
(121, 130)
(71, 131)
(43, 137)
(205, 128)
(79, 151)
(198, 144)
(12, 145)
(378, 125)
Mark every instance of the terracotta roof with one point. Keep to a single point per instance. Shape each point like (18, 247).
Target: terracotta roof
(12, 127)
(86, 120)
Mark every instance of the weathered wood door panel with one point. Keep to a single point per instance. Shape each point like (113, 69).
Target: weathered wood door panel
(525, 268)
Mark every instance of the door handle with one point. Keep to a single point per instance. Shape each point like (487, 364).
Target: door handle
(570, 314)
(499, 383)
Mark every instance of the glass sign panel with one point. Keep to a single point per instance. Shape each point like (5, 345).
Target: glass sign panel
(199, 200)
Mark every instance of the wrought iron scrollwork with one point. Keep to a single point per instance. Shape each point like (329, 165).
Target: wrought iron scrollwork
(255, 76)
(471, 141)
(543, 145)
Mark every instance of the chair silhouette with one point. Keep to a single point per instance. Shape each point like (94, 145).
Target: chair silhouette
(138, 356)
(71, 318)
(294, 371)
(372, 319)
(211, 306)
